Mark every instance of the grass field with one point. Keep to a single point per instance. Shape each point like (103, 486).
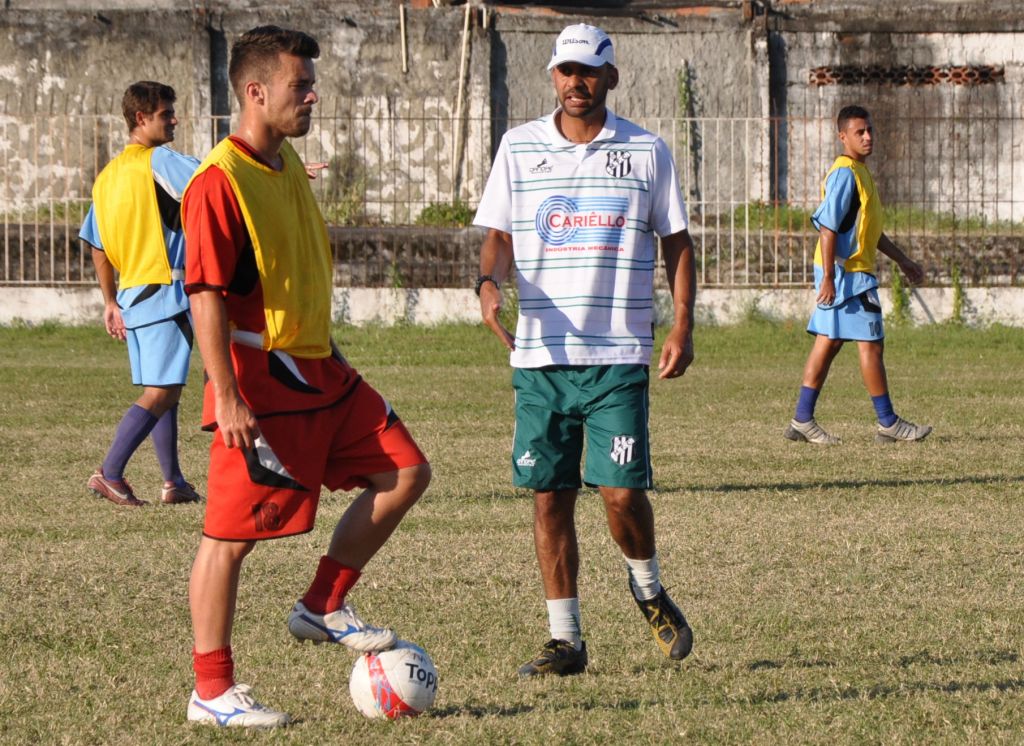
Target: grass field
(860, 594)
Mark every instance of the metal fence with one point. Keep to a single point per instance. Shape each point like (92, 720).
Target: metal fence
(952, 187)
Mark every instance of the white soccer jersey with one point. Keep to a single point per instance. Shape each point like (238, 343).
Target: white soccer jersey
(583, 219)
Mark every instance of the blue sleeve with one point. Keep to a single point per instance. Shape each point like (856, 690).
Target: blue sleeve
(90, 232)
(173, 170)
(840, 187)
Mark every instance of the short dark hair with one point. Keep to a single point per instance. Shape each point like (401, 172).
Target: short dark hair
(254, 54)
(850, 112)
(144, 96)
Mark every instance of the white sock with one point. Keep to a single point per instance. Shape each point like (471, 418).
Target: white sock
(643, 576)
(564, 620)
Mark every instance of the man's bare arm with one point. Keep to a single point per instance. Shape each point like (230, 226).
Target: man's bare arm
(496, 261)
(236, 422)
(680, 266)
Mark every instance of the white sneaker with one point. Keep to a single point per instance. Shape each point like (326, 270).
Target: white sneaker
(235, 708)
(810, 432)
(901, 429)
(343, 626)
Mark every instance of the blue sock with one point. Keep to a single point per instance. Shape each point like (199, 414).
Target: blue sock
(165, 442)
(883, 408)
(134, 428)
(805, 404)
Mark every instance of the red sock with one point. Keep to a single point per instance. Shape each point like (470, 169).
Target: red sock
(332, 582)
(215, 672)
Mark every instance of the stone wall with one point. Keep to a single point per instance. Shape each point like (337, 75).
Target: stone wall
(944, 144)
(705, 77)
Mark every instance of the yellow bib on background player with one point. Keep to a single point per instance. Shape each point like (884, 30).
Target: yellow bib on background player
(868, 228)
(288, 243)
(128, 219)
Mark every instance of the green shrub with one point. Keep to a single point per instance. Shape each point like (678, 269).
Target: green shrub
(900, 313)
(957, 280)
(446, 215)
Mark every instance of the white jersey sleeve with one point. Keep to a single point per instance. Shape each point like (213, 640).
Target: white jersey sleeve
(495, 209)
(668, 209)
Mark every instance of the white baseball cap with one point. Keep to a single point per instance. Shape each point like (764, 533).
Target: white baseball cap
(587, 45)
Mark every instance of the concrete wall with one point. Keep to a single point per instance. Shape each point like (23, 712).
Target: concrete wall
(75, 62)
(360, 306)
(392, 134)
(704, 77)
(942, 148)
(672, 73)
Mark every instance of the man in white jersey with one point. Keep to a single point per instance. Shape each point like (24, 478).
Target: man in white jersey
(576, 199)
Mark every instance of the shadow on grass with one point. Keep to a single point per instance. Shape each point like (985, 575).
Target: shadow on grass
(990, 657)
(851, 484)
(924, 658)
(480, 711)
(763, 664)
(881, 691)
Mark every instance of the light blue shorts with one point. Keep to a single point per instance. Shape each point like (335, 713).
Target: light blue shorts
(858, 319)
(159, 353)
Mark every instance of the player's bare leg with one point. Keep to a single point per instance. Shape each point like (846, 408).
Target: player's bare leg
(872, 367)
(554, 540)
(819, 361)
(322, 614)
(375, 514)
(213, 590)
(212, 593)
(159, 399)
(631, 522)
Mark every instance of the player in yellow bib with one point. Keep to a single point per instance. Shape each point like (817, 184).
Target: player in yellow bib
(849, 222)
(134, 228)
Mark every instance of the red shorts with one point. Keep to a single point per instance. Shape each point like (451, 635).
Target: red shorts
(273, 490)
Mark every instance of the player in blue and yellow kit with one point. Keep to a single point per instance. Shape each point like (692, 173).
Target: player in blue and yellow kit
(134, 227)
(849, 223)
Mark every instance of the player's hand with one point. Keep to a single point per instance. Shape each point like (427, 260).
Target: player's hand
(236, 422)
(490, 306)
(913, 271)
(827, 292)
(114, 322)
(313, 169)
(676, 354)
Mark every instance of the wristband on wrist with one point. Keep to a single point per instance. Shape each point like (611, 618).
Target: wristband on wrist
(480, 283)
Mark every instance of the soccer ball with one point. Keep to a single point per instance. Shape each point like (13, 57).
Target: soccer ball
(395, 683)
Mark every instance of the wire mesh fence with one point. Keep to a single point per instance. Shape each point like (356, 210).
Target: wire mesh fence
(403, 176)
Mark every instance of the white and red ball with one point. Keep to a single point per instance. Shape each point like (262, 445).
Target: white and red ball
(395, 683)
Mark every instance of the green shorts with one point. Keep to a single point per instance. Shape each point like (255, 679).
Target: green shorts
(557, 404)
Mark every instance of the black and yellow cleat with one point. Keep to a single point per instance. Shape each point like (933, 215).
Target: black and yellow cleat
(557, 657)
(671, 632)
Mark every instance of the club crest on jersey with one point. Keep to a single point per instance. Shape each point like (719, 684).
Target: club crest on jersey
(618, 164)
(622, 449)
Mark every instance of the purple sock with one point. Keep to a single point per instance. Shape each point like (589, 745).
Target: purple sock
(165, 441)
(883, 408)
(134, 427)
(805, 404)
